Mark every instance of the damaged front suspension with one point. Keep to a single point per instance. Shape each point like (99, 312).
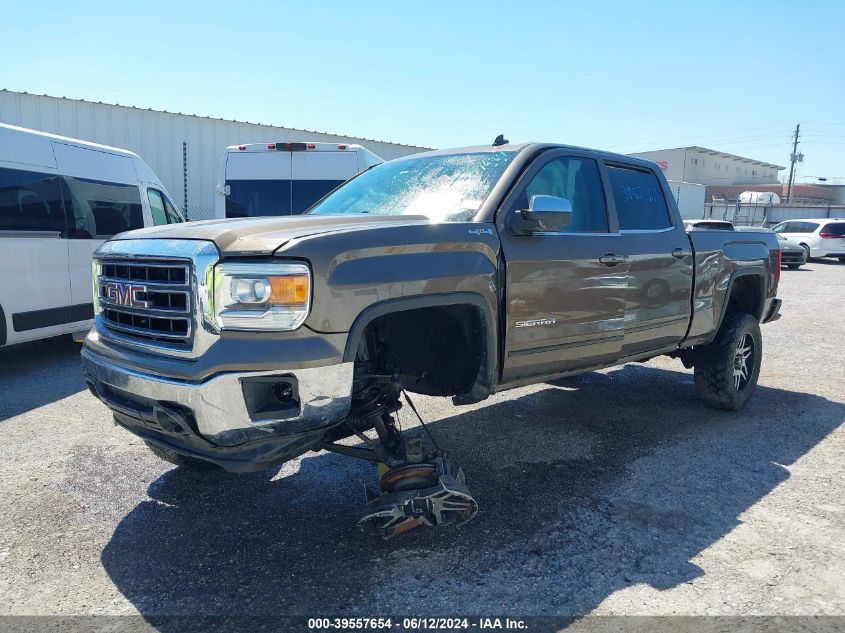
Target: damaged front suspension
(417, 484)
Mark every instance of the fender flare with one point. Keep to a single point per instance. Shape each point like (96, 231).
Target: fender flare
(487, 375)
(755, 271)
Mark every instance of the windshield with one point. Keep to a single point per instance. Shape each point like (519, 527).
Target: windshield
(450, 187)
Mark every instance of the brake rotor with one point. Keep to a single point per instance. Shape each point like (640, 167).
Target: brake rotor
(408, 477)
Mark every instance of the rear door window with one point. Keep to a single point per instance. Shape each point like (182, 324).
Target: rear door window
(251, 198)
(314, 174)
(837, 228)
(577, 180)
(640, 203)
(31, 201)
(259, 184)
(304, 193)
(102, 209)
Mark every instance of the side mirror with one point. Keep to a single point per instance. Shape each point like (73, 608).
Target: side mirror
(544, 213)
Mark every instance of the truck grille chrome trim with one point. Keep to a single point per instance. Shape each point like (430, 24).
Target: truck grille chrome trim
(152, 295)
(146, 299)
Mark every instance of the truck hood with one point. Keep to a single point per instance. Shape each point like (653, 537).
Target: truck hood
(263, 236)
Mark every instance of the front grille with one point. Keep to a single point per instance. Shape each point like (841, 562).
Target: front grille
(148, 301)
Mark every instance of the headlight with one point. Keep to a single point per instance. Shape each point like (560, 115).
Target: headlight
(261, 296)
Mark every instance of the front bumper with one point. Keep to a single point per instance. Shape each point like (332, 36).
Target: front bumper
(793, 257)
(215, 419)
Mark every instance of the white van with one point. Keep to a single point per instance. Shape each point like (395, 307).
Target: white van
(284, 178)
(60, 198)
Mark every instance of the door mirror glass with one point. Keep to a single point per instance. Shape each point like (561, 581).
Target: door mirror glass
(544, 213)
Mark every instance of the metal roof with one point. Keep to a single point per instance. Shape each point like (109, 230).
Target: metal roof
(201, 116)
(714, 152)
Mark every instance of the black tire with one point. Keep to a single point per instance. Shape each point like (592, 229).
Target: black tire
(841, 260)
(183, 461)
(717, 380)
(793, 266)
(807, 252)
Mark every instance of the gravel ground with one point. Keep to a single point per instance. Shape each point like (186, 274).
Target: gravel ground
(613, 493)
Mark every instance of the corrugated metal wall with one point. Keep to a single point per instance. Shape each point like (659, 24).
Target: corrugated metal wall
(158, 138)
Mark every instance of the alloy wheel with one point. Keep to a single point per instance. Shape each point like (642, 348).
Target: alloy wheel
(743, 363)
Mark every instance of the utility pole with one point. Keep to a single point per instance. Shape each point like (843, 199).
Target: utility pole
(792, 160)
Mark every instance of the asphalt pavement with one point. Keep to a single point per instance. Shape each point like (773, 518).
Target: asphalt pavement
(617, 492)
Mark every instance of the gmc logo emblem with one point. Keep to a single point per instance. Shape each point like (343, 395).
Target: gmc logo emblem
(126, 294)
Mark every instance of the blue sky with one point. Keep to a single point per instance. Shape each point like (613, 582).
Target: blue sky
(625, 76)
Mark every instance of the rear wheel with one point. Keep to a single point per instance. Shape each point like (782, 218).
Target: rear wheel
(727, 369)
(189, 463)
(806, 252)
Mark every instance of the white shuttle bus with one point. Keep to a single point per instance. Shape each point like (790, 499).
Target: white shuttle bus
(60, 198)
(263, 179)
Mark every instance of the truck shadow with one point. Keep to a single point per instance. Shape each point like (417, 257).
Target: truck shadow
(39, 373)
(586, 487)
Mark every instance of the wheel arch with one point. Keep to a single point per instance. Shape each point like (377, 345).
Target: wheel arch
(741, 280)
(486, 379)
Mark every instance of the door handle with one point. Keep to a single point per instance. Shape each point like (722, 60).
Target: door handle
(680, 253)
(611, 259)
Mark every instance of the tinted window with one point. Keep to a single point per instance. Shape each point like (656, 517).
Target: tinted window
(443, 187)
(31, 201)
(102, 209)
(173, 216)
(577, 180)
(157, 207)
(808, 227)
(307, 192)
(162, 210)
(639, 199)
(248, 198)
(783, 227)
(835, 229)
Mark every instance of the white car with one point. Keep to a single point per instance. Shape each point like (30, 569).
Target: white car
(60, 199)
(261, 179)
(822, 237)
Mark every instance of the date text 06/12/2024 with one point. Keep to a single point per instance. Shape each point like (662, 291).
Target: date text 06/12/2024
(416, 624)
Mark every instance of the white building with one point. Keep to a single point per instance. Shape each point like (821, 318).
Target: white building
(183, 149)
(710, 167)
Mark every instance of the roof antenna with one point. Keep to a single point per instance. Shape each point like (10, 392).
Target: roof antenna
(500, 140)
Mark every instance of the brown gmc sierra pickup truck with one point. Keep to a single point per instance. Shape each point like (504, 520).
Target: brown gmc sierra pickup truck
(245, 343)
